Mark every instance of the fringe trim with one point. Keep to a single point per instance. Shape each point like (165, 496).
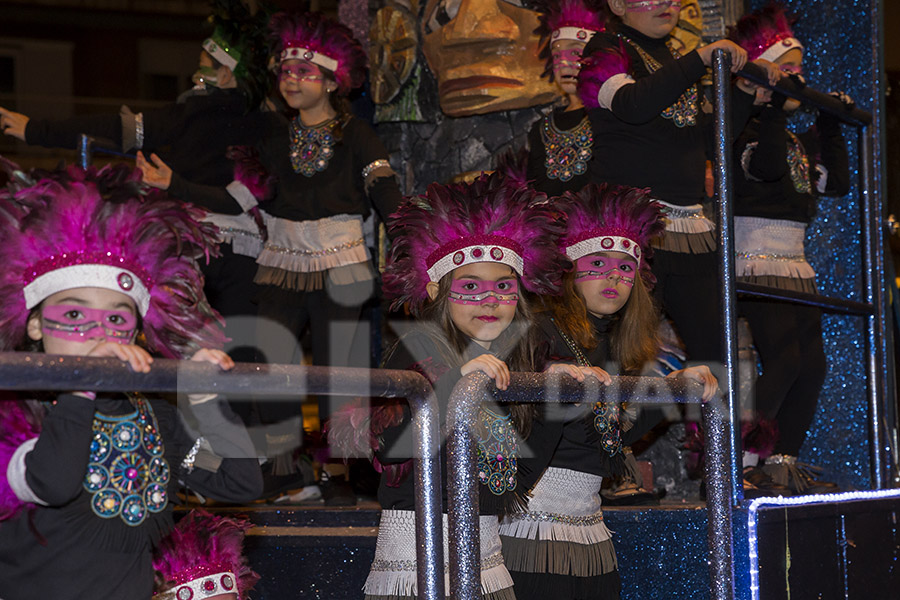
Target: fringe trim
(804, 285)
(282, 258)
(304, 282)
(544, 530)
(782, 269)
(402, 584)
(310, 246)
(559, 557)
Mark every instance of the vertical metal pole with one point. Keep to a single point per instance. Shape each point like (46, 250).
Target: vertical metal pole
(873, 256)
(429, 521)
(462, 489)
(84, 150)
(723, 438)
(722, 82)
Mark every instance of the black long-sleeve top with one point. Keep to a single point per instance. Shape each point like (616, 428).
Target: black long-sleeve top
(537, 153)
(64, 550)
(339, 189)
(775, 174)
(418, 351)
(633, 144)
(192, 136)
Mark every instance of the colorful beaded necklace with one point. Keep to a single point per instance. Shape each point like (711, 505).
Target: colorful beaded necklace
(684, 111)
(498, 451)
(312, 147)
(127, 474)
(606, 414)
(567, 152)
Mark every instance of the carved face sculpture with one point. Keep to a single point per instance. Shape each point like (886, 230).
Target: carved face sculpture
(484, 54)
(688, 32)
(393, 40)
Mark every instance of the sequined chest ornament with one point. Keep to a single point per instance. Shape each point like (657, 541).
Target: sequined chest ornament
(498, 451)
(311, 147)
(567, 152)
(127, 474)
(684, 112)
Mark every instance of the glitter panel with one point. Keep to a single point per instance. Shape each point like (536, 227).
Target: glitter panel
(838, 37)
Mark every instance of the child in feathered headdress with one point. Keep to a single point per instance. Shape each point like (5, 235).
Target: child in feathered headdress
(93, 266)
(603, 322)
(330, 172)
(778, 177)
(561, 143)
(463, 257)
(203, 559)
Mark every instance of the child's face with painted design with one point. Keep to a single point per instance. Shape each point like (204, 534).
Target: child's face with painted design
(73, 322)
(604, 281)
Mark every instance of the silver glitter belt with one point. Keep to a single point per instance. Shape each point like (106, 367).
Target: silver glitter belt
(547, 517)
(682, 213)
(322, 252)
(494, 560)
(236, 231)
(771, 256)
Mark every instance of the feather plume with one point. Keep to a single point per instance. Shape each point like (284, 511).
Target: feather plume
(204, 544)
(19, 422)
(597, 68)
(758, 31)
(105, 216)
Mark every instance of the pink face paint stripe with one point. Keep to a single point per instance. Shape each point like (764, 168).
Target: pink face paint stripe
(477, 291)
(91, 323)
(649, 5)
(602, 267)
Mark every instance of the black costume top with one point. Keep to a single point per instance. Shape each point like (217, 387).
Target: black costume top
(567, 122)
(634, 144)
(65, 550)
(419, 352)
(191, 136)
(338, 189)
(777, 174)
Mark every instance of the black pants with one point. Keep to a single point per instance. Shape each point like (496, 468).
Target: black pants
(687, 290)
(339, 337)
(230, 290)
(788, 339)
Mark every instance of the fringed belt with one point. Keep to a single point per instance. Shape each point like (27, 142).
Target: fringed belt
(563, 531)
(687, 229)
(770, 248)
(238, 230)
(299, 254)
(393, 572)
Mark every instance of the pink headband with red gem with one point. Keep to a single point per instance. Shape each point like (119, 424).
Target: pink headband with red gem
(474, 249)
(204, 584)
(317, 58)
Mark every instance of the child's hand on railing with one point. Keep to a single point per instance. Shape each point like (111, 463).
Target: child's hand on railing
(138, 358)
(491, 366)
(579, 373)
(700, 374)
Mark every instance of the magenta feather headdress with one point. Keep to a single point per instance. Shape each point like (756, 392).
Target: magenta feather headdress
(566, 20)
(73, 228)
(487, 220)
(321, 41)
(599, 67)
(604, 218)
(765, 33)
(204, 555)
(19, 422)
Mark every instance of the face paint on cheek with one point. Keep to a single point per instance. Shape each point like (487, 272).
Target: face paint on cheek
(636, 6)
(477, 291)
(79, 324)
(300, 72)
(603, 267)
(567, 59)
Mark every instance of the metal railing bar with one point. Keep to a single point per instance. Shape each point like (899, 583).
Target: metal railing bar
(827, 303)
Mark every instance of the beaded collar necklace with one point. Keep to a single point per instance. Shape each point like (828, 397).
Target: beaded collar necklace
(567, 152)
(312, 147)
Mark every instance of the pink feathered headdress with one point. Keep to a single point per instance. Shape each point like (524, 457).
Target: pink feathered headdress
(73, 228)
(765, 33)
(488, 220)
(321, 41)
(567, 20)
(603, 218)
(202, 557)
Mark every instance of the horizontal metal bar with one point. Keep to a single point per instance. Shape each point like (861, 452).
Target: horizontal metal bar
(808, 95)
(27, 371)
(545, 387)
(834, 305)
